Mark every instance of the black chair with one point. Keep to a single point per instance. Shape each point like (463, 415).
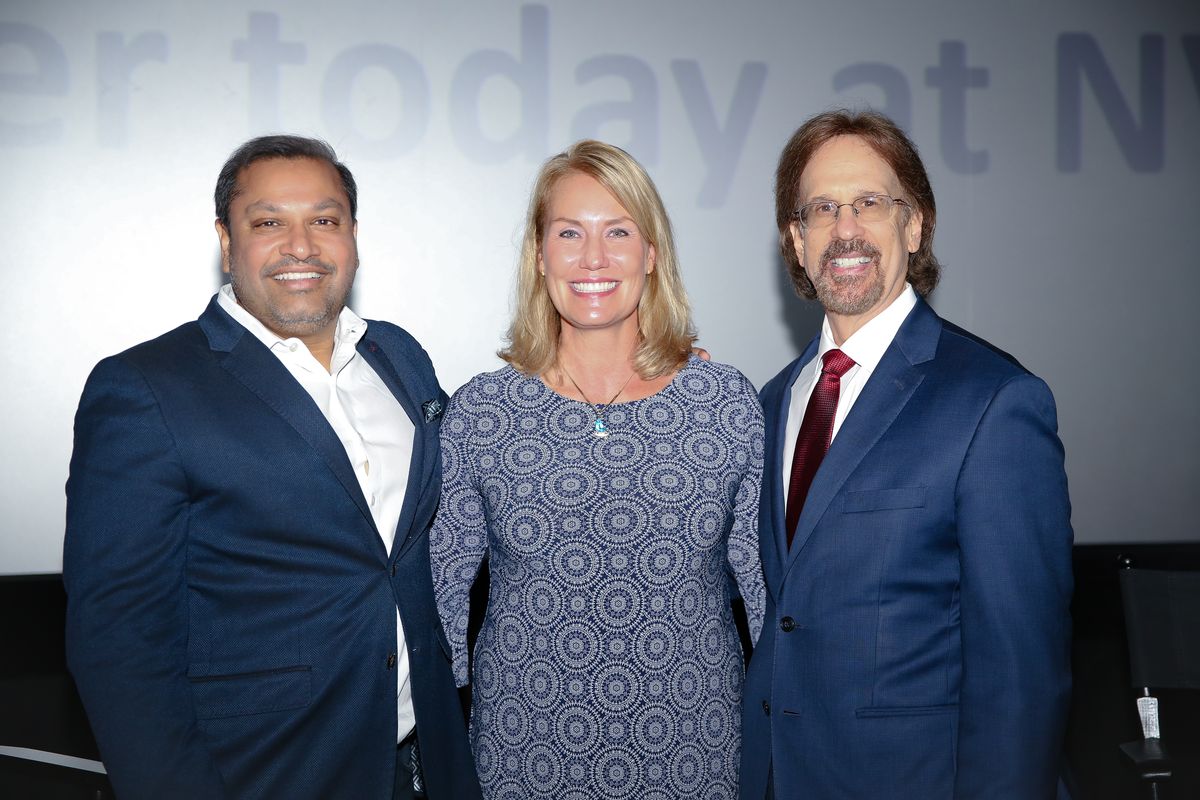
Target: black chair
(46, 747)
(1162, 622)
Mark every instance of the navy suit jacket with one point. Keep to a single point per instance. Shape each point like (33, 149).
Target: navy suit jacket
(917, 636)
(231, 606)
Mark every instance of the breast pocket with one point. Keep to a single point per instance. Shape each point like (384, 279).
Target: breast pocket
(883, 499)
(243, 693)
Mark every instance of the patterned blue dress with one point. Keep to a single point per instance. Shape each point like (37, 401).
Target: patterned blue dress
(608, 665)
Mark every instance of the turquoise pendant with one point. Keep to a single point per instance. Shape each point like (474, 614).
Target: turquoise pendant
(598, 429)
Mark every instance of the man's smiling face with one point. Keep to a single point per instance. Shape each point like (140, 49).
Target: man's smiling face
(291, 249)
(857, 268)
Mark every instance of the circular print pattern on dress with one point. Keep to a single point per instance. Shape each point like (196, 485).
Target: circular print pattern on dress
(701, 387)
(485, 752)
(510, 789)
(577, 646)
(578, 562)
(656, 773)
(736, 421)
(524, 393)
(617, 774)
(718, 642)
(660, 415)
(544, 765)
(527, 530)
(654, 728)
(570, 486)
(542, 601)
(616, 688)
(618, 603)
(687, 687)
(490, 424)
(495, 492)
(577, 730)
(512, 720)
(513, 636)
(669, 482)
(570, 421)
(485, 682)
(542, 684)
(655, 646)
(717, 728)
(660, 562)
(687, 606)
(705, 448)
(527, 455)
(689, 770)
(621, 520)
(620, 451)
(706, 525)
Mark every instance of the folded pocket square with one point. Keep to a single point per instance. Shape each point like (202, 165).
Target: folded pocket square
(432, 409)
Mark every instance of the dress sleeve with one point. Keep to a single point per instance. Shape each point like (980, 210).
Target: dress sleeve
(458, 540)
(743, 552)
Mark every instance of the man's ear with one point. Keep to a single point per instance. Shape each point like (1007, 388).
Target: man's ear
(223, 237)
(797, 241)
(912, 231)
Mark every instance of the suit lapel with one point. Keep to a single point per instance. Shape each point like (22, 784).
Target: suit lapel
(887, 391)
(419, 467)
(250, 362)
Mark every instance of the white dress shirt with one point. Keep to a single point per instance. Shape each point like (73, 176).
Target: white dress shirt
(865, 347)
(371, 425)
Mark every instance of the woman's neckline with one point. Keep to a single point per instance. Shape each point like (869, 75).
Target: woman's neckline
(690, 362)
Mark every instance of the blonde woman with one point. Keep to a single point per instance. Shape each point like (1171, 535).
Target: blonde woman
(611, 480)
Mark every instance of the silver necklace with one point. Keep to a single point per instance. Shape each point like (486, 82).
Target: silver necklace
(599, 429)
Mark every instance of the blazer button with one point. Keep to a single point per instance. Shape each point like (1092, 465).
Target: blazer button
(766, 708)
(391, 662)
(393, 570)
(787, 624)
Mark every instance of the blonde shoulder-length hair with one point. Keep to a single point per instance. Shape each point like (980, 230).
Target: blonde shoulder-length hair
(665, 332)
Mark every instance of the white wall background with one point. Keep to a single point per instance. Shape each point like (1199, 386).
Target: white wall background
(1063, 141)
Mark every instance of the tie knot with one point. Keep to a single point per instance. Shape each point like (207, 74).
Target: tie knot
(836, 363)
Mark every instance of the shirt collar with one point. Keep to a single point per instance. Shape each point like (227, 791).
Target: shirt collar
(867, 345)
(350, 327)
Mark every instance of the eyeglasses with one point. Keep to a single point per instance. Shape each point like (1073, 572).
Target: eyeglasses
(868, 208)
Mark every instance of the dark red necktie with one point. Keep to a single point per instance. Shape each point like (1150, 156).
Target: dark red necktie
(815, 432)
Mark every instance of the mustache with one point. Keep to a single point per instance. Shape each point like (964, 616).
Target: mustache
(840, 247)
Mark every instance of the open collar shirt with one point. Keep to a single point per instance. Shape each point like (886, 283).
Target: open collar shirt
(372, 427)
(865, 347)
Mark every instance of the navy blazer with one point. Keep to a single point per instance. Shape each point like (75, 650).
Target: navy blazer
(917, 633)
(231, 606)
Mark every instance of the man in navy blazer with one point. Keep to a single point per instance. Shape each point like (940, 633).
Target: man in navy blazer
(250, 606)
(916, 642)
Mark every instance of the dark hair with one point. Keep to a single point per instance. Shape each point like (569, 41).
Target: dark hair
(894, 147)
(277, 146)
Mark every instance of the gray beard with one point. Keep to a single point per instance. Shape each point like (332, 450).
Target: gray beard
(852, 295)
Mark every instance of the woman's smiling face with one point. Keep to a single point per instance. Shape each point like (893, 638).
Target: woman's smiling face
(594, 258)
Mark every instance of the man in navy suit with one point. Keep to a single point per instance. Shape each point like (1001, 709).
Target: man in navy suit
(916, 642)
(250, 606)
